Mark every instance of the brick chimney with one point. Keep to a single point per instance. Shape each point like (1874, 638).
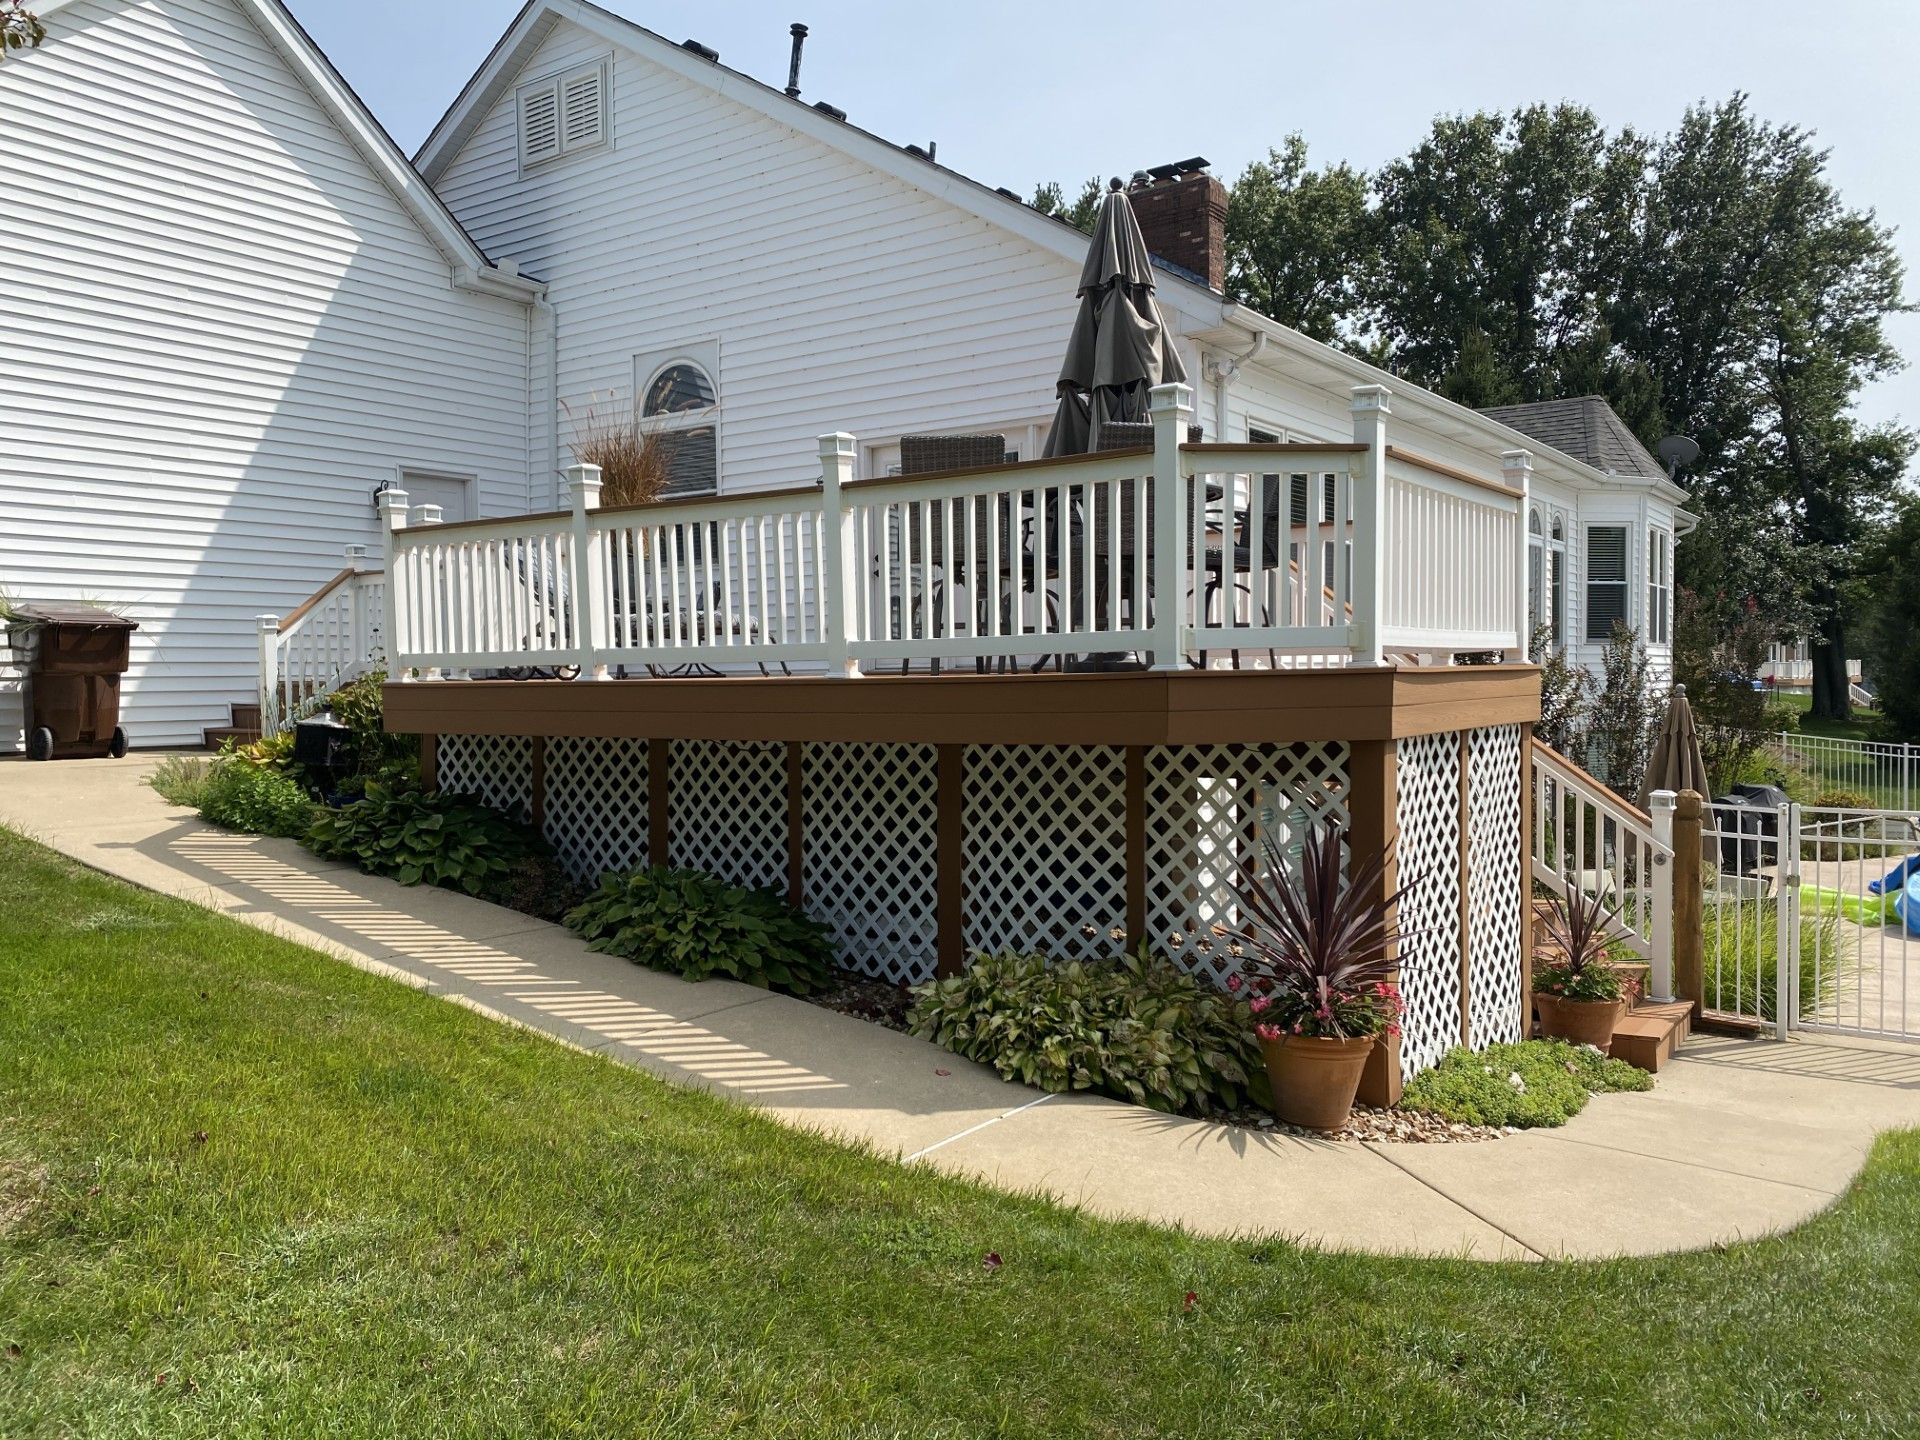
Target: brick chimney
(1183, 214)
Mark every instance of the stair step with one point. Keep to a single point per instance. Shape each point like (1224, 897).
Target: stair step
(246, 717)
(217, 735)
(1650, 1033)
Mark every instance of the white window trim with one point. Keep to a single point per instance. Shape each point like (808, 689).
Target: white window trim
(1664, 613)
(1630, 604)
(556, 82)
(704, 356)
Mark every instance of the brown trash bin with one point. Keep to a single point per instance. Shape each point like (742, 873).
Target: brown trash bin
(80, 653)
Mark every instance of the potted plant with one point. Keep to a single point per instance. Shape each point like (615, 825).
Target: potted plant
(1319, 969)
(1579, 994)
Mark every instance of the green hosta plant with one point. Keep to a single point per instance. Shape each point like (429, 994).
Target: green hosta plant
(696, 925)
(415, 837)
(1135, 1028)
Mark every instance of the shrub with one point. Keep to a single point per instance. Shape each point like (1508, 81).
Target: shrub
(1135, 1028)
(240, 795)
(358, 706)
(1575, 949)
(412, 836)
(1531, 1083)
(1741, 951)
(183, 779)
(696, 925)
(1843, 800)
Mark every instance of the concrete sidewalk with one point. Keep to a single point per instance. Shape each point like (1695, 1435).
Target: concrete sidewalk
(1739, 1138)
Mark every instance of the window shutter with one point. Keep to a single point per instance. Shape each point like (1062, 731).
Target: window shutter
(1606, 580)
(539, 124)
(583, 109)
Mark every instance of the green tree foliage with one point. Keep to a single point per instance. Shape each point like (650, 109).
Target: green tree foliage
(1050, 199)
(1300, 242)
(1893, 637)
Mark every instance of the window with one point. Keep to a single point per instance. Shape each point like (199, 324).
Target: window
(1536, 575)
(1606, 580)
(680, 405)
(563, 114)
(1659, 587)
(1557, 580)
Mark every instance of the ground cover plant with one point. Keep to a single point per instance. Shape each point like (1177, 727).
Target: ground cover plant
(1526, 1084)
(238, 794)
(1135, 1028)
(697, 926)
(417, 836)
(248, 1191)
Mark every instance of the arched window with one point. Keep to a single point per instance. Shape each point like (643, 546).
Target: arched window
(1536, 575)
(680, 405)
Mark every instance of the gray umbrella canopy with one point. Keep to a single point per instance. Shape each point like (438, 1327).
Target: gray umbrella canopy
(1676, 763)
(1120, 348)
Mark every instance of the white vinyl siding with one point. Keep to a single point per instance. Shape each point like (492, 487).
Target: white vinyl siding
(223, 332)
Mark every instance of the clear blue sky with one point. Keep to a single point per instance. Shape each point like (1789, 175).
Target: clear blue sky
(1000, 84)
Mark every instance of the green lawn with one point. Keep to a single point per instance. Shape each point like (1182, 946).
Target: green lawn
(1801, 702)
(246, 1190)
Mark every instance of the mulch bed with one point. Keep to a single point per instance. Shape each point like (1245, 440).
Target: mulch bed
(1368, 1125)
(865, 998)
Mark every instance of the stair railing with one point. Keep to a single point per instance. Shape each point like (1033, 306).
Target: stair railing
(1589, 840)
(335, 636)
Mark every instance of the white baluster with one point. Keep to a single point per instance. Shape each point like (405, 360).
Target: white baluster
(589, 569)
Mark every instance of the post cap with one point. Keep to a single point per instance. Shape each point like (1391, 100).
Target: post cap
(267, 622)
(837, 445)
(425, 514)
(1516, 460)
(1370, 397)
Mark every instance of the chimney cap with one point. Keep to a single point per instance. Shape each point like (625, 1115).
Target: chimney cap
(797, 30)
(1196, 164)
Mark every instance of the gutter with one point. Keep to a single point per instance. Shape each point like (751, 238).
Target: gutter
(1225, 367)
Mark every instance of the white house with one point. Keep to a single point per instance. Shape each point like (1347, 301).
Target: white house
(713, 236)
(233, 311)
(244, 312)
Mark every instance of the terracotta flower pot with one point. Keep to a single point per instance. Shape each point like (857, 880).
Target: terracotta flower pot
(1314, 1081)
(1584, 1022)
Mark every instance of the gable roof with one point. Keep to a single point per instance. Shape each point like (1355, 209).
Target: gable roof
(472, 269)
(1586, 428)
(537, 18)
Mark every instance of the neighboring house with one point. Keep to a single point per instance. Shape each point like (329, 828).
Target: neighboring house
(233, 310)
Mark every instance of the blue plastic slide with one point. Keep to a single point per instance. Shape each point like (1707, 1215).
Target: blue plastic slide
(1903, 882)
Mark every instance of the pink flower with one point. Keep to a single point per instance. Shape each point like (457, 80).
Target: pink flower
(1259, 1003)
(1267, 1032)
(1235, 984)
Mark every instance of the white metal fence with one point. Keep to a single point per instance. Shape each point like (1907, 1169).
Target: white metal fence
(1885, 776)
(1182, 554)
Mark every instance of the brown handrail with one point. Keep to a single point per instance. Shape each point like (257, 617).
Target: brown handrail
(300, 611)
(1290, 447)
(1465, 477)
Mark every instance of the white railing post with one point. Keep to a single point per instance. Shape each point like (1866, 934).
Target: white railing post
(393, 518)
(269, 627)
(1172, 412)
(1660, 929)
(839, 559)
(353, 623)
(419, 517)
(590, 621)
(1516, 467)
(1370, 410)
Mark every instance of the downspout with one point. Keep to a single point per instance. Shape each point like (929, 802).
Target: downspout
(544, 471)
(1224, 369)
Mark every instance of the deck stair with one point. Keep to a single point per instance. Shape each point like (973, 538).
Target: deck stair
(1651, 1030)
(242, 727)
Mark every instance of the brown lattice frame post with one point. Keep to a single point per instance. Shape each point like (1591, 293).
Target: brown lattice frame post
(950, 851)
(429, 763)
(537, 787)
(659, 808)
(1373, 806)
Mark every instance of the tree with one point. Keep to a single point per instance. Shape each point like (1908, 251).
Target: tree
(1893, 638)
(1050, 199)
(20, 28)
(1757, 302)
(1300, 242)
(1498, 236)
(1718, 656)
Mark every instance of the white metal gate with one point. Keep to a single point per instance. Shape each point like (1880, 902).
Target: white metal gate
(1805, 918)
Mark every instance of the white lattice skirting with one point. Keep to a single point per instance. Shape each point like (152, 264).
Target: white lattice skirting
(1428, 790)
(596, 804)
(496, 768)
(1496, 887)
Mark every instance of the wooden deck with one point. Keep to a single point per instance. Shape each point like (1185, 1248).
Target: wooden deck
(1138, 708)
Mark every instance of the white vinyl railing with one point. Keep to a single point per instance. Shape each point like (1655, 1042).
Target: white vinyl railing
(336, 636)
(1277, 554)
(1589, 840)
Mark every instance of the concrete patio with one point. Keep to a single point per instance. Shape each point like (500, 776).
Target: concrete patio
(1738, 1140)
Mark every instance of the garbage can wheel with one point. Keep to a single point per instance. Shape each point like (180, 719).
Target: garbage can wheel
(40, 743)
(117, 746)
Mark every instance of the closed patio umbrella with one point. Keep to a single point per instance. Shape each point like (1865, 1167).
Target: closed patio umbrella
(1676, 763)
(1121, 347)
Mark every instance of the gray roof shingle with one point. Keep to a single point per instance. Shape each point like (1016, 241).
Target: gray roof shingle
(1586, 428)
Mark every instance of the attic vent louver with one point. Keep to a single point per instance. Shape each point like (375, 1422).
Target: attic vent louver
(832, 112)
(563, 114)
(705, 52)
